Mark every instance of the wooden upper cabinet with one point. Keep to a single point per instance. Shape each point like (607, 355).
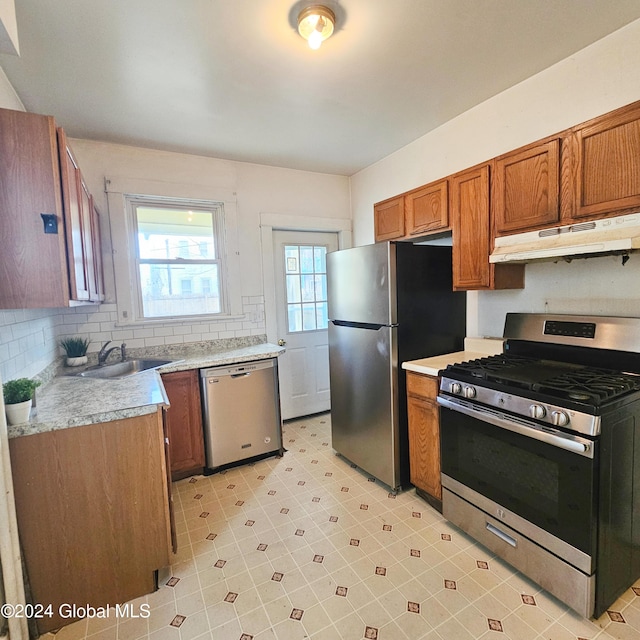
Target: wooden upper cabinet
(184, 423)
(526, 188)
(47, 237)
(388, 219)
(607, 164)
(86, 281)
(75, 221)
(33, 269)
(98, 289)
(471, 230)
(427, 208)
(470, 227)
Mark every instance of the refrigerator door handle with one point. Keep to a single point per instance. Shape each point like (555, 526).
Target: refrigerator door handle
(360, 325)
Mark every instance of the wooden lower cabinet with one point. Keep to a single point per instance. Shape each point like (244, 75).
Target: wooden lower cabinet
(424, 437)
(184, 423)
(93, 513)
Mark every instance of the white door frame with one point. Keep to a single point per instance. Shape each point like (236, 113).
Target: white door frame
(274, 221)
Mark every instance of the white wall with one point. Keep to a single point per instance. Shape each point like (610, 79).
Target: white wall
(8, 97)
(259, 189)
(28, 337)
(601, 77)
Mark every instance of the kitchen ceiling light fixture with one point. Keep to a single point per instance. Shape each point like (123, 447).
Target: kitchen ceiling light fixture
(315, 24)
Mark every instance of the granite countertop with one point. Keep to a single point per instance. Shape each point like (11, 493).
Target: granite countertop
(473, 348)
(70, 401)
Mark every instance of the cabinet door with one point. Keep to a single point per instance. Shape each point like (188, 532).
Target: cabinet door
(73, 221)
(33, 269)
(388, 219)
(86, 208)
(424, 433)
(607, 175)
(471, 227)
(184, 422)
(471, 238)
(526, 188)
(427, 208)
(92, 510)
(98, 286)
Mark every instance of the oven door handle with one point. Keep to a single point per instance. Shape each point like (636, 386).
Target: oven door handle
(553, 437)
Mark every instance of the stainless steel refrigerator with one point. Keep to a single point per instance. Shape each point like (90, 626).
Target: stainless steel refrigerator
(388, 302)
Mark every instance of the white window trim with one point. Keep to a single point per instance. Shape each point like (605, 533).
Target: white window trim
(124, 246)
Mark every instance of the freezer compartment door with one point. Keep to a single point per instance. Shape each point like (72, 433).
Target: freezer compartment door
(242, 412)
(364, 398)
(361, 284)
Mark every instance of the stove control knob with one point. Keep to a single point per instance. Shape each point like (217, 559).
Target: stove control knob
(559, 418)
(537, 411)
(456, 388)
(469, 392)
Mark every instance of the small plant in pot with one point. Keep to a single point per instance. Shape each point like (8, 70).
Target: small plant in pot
(18, 398)
(76, 350)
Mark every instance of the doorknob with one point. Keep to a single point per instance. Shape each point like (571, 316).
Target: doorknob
(281, 342)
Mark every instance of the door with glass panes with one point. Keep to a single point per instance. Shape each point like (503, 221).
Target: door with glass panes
(301, 300)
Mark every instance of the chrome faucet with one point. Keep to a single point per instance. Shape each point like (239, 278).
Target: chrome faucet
(104, 353)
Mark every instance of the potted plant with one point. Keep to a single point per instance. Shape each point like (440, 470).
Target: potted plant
(18, 398)
(76, 350)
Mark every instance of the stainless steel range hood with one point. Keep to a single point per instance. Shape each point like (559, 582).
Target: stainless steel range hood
(582, 239)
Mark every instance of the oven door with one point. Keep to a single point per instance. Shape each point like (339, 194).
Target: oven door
(545, 477)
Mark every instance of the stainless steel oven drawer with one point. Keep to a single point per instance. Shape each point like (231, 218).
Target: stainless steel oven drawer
(570, 585)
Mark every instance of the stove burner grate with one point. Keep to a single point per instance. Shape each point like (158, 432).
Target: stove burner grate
(563, 381)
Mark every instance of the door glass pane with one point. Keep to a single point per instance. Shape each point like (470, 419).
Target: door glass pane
(291, 260)
(307, 292)
(308, 317)
(294, 315)
(308, 288)
(306, 259)
(293, 288)
(322, 316)
(320, 259)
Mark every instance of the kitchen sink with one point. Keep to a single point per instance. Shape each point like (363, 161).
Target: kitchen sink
(123, 369)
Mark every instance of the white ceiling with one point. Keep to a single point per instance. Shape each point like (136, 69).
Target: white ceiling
(232, 78)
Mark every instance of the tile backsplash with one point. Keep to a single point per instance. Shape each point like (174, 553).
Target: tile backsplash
(29, 337)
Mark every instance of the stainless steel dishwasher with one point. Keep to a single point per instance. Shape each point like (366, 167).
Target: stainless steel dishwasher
(241, 405)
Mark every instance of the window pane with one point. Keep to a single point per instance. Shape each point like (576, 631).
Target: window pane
(308, 288)
(320, 259)
(291, 261)
(174, 233)
(179, 290)
(308, 317)
(306, 259)
(321, 287)
(293, 288)
(294, 313)
(322, 316)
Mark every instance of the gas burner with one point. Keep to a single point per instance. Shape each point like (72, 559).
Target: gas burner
(560, 381)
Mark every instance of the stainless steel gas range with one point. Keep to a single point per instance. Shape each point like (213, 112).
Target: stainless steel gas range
(541, 453)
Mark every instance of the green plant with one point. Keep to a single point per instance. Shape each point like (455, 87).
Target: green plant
(19, 390)
(75, 347)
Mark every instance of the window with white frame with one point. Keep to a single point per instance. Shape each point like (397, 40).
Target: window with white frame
(179, 258)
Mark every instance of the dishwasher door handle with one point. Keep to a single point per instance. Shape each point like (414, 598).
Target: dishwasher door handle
(241, 375)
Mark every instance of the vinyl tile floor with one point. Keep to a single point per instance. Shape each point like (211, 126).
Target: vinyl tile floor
(309, 546)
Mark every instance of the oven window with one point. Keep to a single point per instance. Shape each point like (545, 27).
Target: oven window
(547, 486)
